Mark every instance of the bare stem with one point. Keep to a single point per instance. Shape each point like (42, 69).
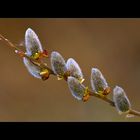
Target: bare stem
(103, 98)
(134, 112)
(9, 43)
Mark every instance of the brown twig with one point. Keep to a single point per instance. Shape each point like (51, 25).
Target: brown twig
(9, 43)
(134, 112)
(103, 98)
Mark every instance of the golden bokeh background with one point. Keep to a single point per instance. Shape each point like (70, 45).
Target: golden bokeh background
(112, 45)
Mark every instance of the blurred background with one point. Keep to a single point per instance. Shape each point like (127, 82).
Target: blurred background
(112, 45)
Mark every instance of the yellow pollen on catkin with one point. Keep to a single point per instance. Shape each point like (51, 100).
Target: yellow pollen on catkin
(36, 56)
(81, 80)
(86, 94)
(60, 77)
(44, 74)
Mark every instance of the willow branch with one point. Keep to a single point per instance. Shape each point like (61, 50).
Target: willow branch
(44, 65)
